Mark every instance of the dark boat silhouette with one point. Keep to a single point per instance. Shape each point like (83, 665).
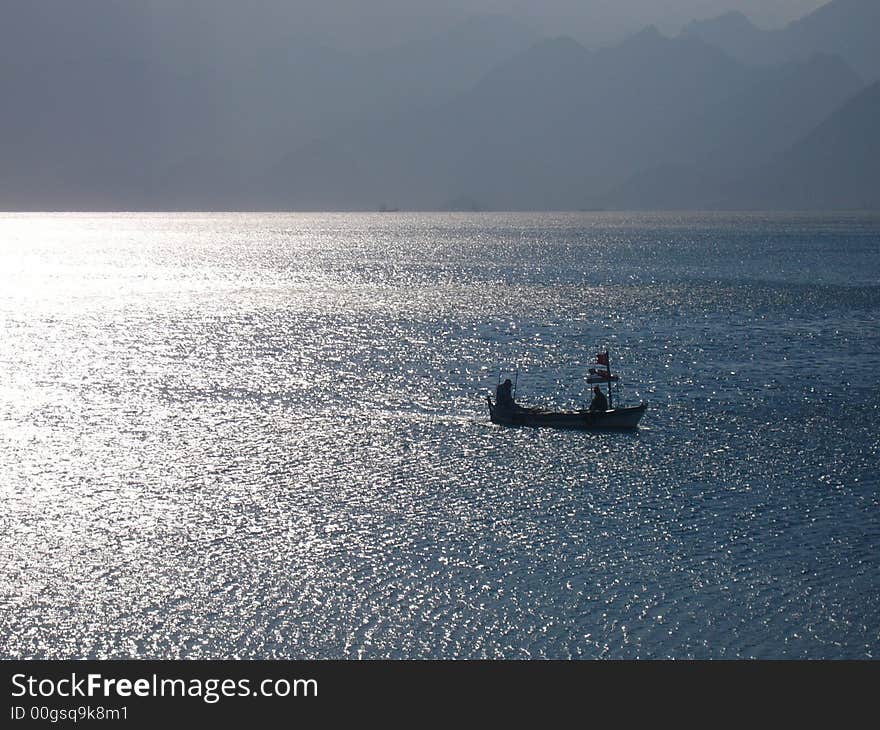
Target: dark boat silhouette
(507, 412)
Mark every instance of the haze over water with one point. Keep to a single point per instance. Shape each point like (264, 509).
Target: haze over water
(265, 436)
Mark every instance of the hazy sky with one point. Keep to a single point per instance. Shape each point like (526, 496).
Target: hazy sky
(355, 23)
(363, 24)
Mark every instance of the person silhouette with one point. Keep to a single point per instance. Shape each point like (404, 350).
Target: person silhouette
(504, 395)
(599, 402)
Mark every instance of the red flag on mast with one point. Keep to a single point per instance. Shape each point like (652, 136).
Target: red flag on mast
(602, 359)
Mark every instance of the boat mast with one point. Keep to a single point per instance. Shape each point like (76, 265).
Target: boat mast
(608, 365)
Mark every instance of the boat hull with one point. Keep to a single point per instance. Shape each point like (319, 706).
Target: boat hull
(614, 419)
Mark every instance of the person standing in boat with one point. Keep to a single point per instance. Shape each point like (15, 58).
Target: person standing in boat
(599, 402)
(504, 395)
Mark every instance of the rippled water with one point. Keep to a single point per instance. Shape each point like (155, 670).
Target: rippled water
(265, 436)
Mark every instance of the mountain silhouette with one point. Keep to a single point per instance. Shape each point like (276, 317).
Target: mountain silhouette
(834, 166)
(110, 107)
(848, 28)
(120, 106)
(558, 126)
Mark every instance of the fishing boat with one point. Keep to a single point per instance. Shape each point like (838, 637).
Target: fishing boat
(602, 415)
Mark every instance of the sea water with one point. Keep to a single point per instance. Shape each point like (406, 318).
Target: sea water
(265, 436)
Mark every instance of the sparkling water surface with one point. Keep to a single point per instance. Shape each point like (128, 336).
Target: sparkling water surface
(265, 436)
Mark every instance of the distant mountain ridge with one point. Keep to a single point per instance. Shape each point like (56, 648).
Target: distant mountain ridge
(101, 114)
(834, 166)
(848, 28)
(558, 126)
(481, 115)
